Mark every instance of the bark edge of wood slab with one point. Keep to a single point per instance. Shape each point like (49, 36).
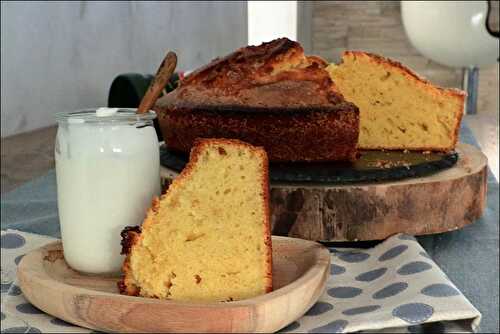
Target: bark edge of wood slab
(441, 202)
(300, 267)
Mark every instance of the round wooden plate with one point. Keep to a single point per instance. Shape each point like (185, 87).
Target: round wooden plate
(300, 271)
(441, 202)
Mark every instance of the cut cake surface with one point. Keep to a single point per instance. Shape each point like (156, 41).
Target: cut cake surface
(208, 238)
(398, 109)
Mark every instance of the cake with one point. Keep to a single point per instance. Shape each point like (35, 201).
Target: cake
(398, 109)
(208, 237)
(270, 95)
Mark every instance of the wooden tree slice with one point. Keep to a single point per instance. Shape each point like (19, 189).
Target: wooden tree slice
(445, 201)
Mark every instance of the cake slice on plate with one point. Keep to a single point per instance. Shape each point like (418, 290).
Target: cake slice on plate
(398, 109)
(208, 238)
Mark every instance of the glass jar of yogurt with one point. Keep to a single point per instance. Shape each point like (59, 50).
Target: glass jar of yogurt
(107, 167)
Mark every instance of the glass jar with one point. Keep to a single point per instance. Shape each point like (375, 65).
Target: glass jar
(108, 172)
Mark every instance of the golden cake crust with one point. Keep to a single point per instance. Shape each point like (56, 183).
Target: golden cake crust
(259, 77)
(427, 85)
(131, 235)
(270, 95)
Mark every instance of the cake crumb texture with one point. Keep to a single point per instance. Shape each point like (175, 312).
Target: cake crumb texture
(208, 237)
(398, 109)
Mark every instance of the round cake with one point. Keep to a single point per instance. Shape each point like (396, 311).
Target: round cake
(270, 95)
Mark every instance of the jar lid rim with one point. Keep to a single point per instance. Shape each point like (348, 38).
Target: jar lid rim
(89, 115)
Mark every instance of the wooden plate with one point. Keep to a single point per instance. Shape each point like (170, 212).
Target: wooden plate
(300, 270)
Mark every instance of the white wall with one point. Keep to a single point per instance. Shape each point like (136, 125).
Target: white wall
(268, 20)
(62, 56)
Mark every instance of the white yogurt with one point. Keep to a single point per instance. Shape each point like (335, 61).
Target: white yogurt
(107, 175)
(105, 112)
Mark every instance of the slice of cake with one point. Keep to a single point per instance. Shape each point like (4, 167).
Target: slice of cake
(208, 238)
(398, 109)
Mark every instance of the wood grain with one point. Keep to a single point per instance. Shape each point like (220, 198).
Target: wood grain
(300, 270)
(438, 203)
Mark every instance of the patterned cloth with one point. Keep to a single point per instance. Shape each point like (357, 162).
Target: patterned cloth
(393, 287)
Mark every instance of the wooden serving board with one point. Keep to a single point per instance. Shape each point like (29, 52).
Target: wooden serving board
(300, 271)
(441, 202)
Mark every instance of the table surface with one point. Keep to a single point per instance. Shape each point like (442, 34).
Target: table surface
(470, 256)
